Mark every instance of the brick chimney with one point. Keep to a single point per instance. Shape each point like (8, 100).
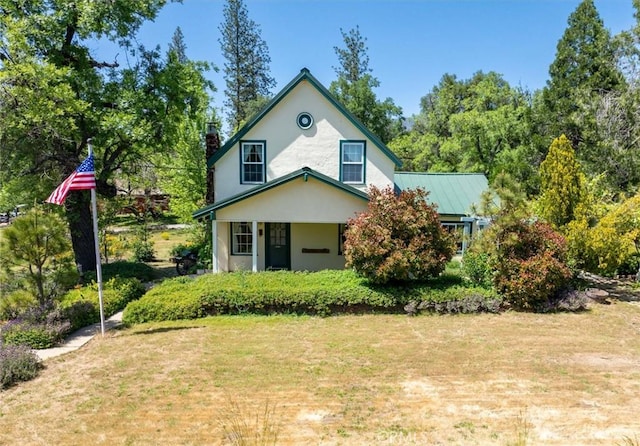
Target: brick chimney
(212, 145)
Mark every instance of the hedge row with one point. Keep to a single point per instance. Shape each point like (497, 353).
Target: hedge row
(81, 306)
(321, 293)
(45, 327)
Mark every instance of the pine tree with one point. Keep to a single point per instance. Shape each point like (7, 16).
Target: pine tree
(584, 67)
(177, 46)
(354, 61)
(354, 88)
(247, 63)
(562, 183)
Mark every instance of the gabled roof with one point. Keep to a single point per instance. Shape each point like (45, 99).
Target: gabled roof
(453, 193)
(305, 172)
(304, 75)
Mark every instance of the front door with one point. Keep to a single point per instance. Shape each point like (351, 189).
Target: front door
(278, 248)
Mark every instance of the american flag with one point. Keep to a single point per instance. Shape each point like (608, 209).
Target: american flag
(82, 178)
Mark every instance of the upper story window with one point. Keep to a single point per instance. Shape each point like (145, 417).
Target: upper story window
(252, 161)
(352, 157)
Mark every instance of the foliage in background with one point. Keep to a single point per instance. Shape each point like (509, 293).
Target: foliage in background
(56, 95)
(181, 170)
(142, 245)
(476, 268)
(36, 253)
(110, 245)
(561, 184)
(615, 238)
(473, 125)
(354, 89)
(398, 238)
(123, 270)
(246, 69)
(584, 69)
(322, 293)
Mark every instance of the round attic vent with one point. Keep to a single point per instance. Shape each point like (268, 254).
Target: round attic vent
(304, 120)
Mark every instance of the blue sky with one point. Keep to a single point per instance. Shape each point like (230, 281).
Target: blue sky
(411, 43)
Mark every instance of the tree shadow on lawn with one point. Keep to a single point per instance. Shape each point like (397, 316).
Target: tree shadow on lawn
(162, 330)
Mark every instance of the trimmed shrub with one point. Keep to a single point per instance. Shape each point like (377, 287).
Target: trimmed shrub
(82, 305)
(39, 327)
(17, 363)
(32, 335)
(320, 293)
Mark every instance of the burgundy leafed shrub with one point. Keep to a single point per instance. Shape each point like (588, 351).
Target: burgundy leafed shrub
(530, 264)
(399, 238)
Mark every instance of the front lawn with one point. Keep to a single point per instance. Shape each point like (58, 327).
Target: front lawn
(490, 379)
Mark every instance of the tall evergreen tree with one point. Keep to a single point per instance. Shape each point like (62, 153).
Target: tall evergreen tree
(562, 184)
(246, 68)
(584, 67)
(354, 88)
(353, 58)
(177, 46)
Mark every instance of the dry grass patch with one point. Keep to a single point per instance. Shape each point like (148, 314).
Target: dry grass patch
(508, 379)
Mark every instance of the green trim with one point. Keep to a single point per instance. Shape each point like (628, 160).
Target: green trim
(264, 160)
(267, 245)
(304, 75)
(305, 171)
(364, 160)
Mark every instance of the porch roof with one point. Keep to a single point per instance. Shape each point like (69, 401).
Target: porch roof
(304, 173)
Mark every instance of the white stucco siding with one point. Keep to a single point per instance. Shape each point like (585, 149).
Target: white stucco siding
(229, 262)
(289, 148)
(310, 201)
(315, 237)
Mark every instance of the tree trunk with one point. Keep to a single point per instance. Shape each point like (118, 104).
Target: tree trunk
(78, 207)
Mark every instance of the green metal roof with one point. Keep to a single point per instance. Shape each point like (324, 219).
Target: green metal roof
(304, 75)
(453, 193)
(305, 172)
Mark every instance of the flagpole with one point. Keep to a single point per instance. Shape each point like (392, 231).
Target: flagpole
(94, 210)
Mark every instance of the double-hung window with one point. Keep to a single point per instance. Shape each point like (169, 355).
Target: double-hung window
(241, 238)
(252, 155)
(352, 157)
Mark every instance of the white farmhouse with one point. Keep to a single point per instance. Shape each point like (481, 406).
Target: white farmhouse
(287, 182)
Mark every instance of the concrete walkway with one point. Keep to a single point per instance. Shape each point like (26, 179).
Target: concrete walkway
(79, 338)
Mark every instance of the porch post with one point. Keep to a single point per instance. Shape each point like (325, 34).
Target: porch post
(254, 245)
(214, 246)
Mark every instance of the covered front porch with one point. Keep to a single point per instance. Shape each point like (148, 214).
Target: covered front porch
(270, 246)
(295, 222)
